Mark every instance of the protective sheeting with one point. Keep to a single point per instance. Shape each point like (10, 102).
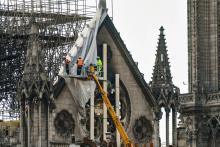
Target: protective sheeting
(85, 46)
(81, 90)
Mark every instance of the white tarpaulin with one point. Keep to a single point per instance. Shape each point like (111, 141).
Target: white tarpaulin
(81, 91)
(86, 47)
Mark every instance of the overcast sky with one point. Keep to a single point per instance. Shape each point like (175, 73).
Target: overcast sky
(138, 23)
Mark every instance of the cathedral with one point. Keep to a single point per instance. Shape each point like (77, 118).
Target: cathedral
(200, 108)
(51, 116)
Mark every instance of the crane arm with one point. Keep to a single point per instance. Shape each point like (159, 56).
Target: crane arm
(111, 111)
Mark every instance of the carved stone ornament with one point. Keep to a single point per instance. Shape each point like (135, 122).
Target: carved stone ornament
(142, 129)
(64, 123)
(214, 122)
(158, 115)
(189, 123)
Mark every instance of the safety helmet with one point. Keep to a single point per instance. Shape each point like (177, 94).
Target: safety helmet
(80, 57)
(98, 57)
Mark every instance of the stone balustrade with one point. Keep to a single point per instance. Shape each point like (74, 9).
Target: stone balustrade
(190, 98)
(187, 98)
(59, 144)
(213, 98)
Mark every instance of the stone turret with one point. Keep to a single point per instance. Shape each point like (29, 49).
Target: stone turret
(162, 79)
(165, 93)
(161, 73)
(34, 95)
(102, 4)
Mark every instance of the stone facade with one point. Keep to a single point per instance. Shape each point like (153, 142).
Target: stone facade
(136, 99)
(200, 108)
(63, 102)
(181, 137)
(139, 105)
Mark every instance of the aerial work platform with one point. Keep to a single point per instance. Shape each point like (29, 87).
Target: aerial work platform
(81, 77)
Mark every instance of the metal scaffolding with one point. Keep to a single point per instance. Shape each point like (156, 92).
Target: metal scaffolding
(59, 22)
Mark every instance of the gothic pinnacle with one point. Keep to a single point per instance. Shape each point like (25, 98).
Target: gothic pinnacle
(161, 30)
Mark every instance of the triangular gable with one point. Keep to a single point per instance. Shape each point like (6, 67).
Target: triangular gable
(129, 60)
(108, 24)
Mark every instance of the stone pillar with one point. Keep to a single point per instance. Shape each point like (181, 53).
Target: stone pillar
(105, 114)
(214, 132)
(157, 131)
(174, 124)
(117, 105)
(157, 117)
(92, 115)
(167, 110)
(23, 125)
(203, 140)
(29, 125)
(194, 138)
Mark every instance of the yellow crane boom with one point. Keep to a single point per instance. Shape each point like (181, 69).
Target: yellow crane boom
(111, 111)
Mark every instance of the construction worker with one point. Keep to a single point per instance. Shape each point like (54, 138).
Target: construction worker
(67, 62)
(80, 64)
(99, 66)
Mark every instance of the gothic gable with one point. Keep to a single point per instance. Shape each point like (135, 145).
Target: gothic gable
(120, 61)
(136, 100)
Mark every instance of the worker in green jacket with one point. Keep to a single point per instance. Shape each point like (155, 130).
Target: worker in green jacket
(99, 66)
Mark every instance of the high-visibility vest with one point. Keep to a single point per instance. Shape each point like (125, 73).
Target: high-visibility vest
(99, 62)
(80, 62)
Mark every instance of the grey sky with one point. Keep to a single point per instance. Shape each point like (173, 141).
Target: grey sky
(138, 23)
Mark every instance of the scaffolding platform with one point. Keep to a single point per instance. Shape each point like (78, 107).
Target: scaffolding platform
(76, 76)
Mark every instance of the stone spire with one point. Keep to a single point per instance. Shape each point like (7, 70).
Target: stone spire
(33, 67)
(165, 93)
(35, 95)
(102, 4)
(161, 72)
(162, 86)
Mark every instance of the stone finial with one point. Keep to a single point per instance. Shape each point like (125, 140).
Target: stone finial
(102, 4)
(161, 30)
(161, 74)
